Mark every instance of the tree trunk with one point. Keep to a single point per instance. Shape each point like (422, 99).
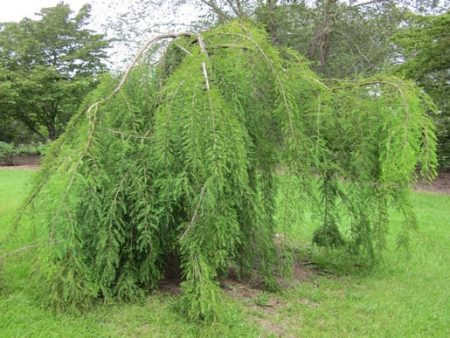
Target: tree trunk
(272, 26)
(319, 47)
(51, 127)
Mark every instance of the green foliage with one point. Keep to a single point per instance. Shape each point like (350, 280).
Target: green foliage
(340, 38)
(425, 44)
(46, 67)
(177, 169)
(32, 149)
(370, 166)
(15, 131)
(7, 152)
(412, 289)
(426, 47)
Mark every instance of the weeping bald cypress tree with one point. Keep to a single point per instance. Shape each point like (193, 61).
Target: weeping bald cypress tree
(175, 165)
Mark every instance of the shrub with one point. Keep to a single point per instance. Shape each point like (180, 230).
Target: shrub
(31, 149)
(7, 152)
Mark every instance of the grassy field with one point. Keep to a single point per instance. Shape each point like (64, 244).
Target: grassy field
(407, 296)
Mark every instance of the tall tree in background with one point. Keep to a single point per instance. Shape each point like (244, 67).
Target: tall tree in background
(47, 67)
(343, 39)
(425, 44)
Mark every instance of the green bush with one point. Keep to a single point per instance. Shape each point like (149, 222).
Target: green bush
(30, 149)
(7, 152)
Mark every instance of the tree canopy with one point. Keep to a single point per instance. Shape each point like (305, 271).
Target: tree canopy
(178, 164)
(47, 67)
(342, 39)
(425, 44)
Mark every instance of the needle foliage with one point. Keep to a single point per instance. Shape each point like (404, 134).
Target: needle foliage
(178, 170)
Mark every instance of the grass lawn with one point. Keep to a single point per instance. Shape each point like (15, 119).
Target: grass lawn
(403, 297)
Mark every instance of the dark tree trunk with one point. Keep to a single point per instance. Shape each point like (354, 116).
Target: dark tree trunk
(51, 127)
(319, 47)
(272, 27)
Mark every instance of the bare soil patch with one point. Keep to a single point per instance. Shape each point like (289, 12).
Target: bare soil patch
(22, 161)
(242, 289)
(440, 185)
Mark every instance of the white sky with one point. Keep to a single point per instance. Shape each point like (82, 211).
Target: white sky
(16, 10)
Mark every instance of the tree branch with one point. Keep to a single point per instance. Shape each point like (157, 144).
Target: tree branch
(369, 3)
(223, 16)
(27, 122)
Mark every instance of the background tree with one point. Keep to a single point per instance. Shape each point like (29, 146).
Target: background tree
(341, 38)
(48, 66)
(425, 44)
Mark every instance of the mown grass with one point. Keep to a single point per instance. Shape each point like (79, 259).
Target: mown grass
(406, 296)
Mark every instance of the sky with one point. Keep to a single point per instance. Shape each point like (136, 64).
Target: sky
(16, 10)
